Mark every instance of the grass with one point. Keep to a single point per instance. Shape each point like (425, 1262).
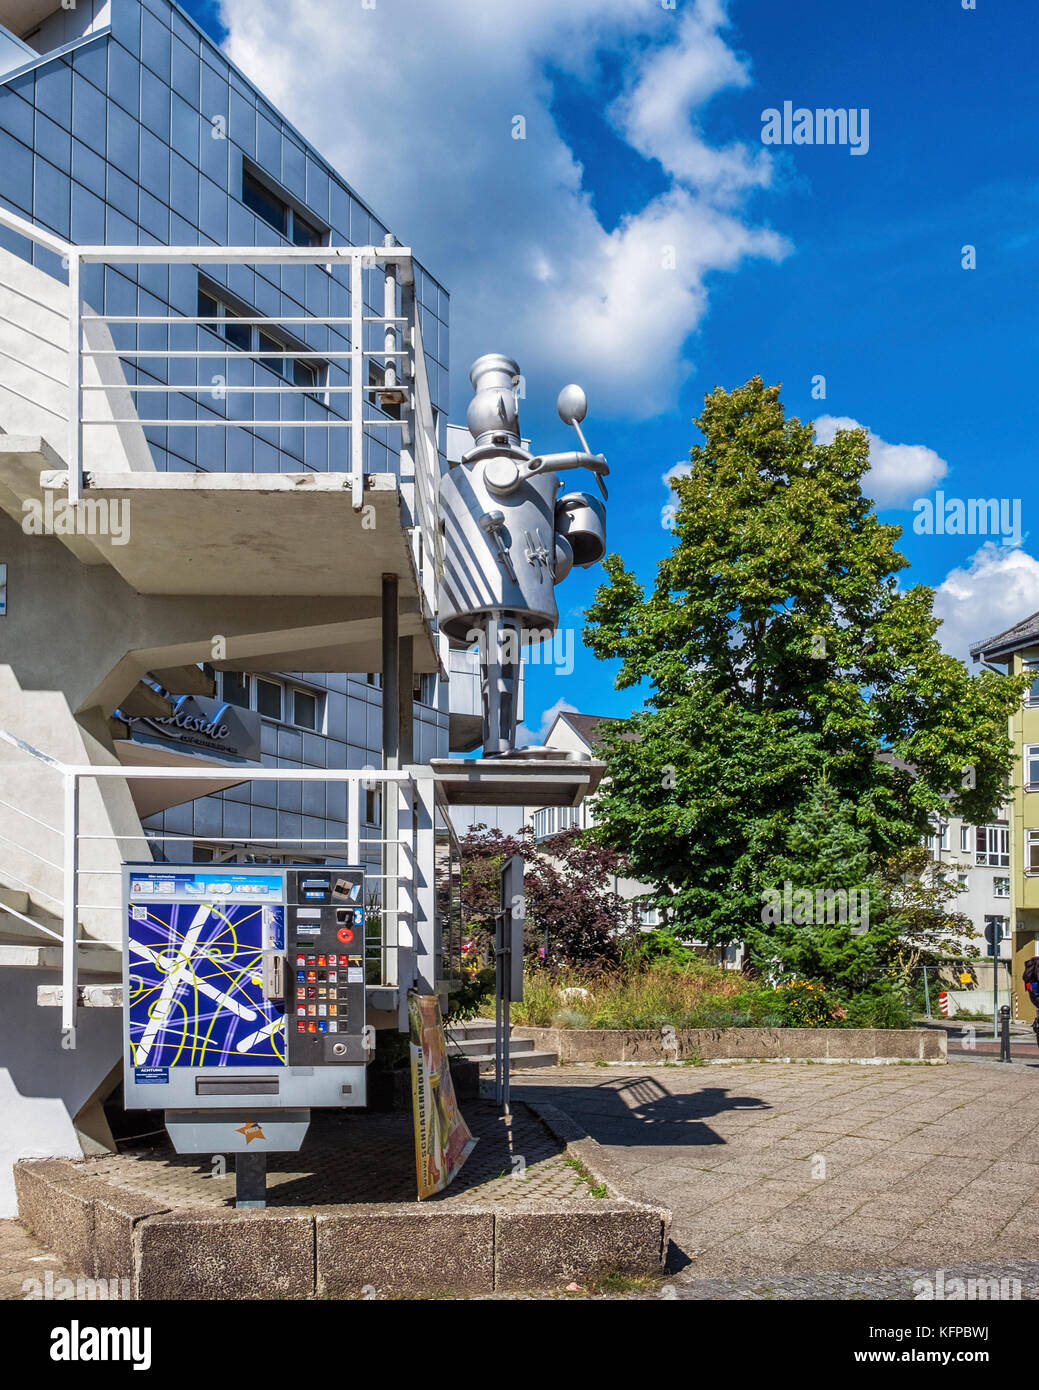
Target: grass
(698, 995)
(581, 1174)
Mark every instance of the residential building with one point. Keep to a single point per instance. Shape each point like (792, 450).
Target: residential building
(1016, 650)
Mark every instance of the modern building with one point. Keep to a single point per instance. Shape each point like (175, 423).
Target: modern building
(223, 395)
(1017, 651)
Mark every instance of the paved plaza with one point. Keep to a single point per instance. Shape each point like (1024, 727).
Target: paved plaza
(786, 1181)
(775, 1169)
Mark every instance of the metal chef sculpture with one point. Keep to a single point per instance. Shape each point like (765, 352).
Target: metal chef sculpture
(511, 535)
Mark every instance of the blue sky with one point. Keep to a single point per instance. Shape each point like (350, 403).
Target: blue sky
(644, 128)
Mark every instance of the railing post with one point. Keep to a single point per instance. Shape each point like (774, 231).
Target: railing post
(357, 382)
(353, 821)
(70, 912)
(75, 444)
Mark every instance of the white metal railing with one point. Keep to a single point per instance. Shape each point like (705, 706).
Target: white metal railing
(408, 947)
(401, 365)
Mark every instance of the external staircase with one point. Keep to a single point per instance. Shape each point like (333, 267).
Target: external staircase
(474, 1042)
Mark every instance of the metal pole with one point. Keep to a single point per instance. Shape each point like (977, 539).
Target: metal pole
(506, 1052)
(391, 763)
(1004, 1033)
(389, 308)
(406, 701)
(250, 1179)
(927, 994)
(75, 460)
(70, 913)
(498, 1002)
(995, 983)
(357, 382)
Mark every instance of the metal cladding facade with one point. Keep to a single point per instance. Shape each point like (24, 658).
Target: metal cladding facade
(143, 132)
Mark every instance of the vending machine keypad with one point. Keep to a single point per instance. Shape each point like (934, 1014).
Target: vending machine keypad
(325, 1002)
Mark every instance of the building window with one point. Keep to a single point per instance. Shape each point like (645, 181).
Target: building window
(1031, 668)
(304, 709)
(272, 700)
(553, 820)
(275, 354)
(1001, 887)
(993, 846)
(965, 833)
(1032, 766)
(373, 807)
(268, 698)
(425, 690)
(963, 881)
(374, 679)
(235, 687)
(266, 201)
(1032, 851)
(938, 839)
(649, 916)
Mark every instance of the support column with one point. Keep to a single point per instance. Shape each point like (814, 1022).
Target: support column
(406, 701)
(390, 763)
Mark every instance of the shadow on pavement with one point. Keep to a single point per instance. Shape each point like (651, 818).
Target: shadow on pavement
(638, 1111)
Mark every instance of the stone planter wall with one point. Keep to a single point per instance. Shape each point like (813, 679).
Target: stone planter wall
(740, 1044)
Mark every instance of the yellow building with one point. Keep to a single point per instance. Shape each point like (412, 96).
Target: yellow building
(1017, 650)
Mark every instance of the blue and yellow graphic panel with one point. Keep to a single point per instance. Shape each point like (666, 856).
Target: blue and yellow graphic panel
(195, 944)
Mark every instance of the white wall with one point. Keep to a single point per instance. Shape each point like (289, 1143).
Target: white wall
(42, 1087)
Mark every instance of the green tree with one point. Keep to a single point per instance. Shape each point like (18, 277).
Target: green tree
(780, 653)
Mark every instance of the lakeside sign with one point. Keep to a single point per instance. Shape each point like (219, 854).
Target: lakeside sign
(204, 725)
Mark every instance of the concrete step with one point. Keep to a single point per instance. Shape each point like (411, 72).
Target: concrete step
(474, 1028)
(520, 1062)
(478, 1047)
(13, 898)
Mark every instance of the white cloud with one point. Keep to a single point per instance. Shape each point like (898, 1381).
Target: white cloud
(525, 736)
(667, 511)
(898, 473)
(413, 101)
(996, 589)
(671, 82)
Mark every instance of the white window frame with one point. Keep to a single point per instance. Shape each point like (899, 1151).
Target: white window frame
(996, 854)
(289, 690)
(1031, 756)
(1031, 843)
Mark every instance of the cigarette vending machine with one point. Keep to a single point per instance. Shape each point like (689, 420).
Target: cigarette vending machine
(244, 1004)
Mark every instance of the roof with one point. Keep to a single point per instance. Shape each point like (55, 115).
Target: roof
(587, 726)
(1004, 644)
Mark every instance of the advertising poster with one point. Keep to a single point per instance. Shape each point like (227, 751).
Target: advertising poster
(442, 1138)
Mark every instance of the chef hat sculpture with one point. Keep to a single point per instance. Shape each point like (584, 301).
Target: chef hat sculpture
(511, 534)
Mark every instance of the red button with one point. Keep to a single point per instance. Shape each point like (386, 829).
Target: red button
(345, 935)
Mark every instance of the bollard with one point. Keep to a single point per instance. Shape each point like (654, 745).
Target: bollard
(1004, 1033)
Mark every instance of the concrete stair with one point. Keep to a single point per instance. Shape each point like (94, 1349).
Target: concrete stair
(474, 1041)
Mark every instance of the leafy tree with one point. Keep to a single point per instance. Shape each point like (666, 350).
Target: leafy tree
(571, 909)
(781, 655)
(883, 917)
